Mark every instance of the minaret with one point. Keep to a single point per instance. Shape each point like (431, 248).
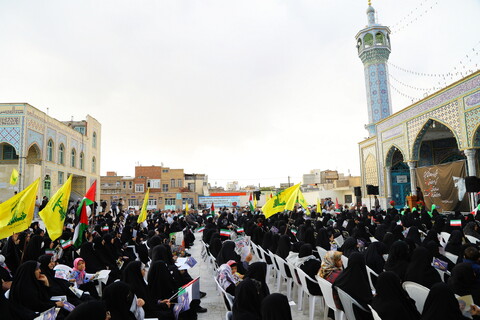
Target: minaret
(373, 44)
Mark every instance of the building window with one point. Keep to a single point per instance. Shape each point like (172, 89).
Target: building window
(74, 156)
(130, 184)
(348, 198)
(152, 202)
(179, 183)
(80, 129)
(165, 187)
(132, 202)
(191, 187)
(164, 170)
(94, 140)
(50, 150)
(94, 165)
(60, 177)
(153, 183)
(9, 152)
(124, 184)
(61, 154)
(160, 200)
(190, 201)
(172, 183)
(139, 187)
(169, 201)
(81, 161)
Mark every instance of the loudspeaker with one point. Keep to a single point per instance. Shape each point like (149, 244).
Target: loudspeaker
(357, 191)
(372, 190)
(257, 194)
(472, 184)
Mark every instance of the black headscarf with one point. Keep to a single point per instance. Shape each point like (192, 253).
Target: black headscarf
(228, 253)
(92, 262)
(258, 271)
(441, 304)
(132, 275)
(247, 301)
(91, 310)
(284, 246)
(29, 292)
(454, 244)
(398, 259)
(322, 239)
(463, 281)
(433, 249)
(276, 307)
(349, 247)
(374, 256)
(118, 298)
(12, 254)
(354, 280)
(420, 269)
(34, 248)
(215, 246)
(414, 235)
(391, 301)
(161, 284)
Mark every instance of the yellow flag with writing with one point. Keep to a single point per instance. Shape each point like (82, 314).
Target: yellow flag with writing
(319, 207)
(301, 200)
(16, 214)
(54, 213)
(14, 177)
(186, 207)
(143, 213)
(279, 202)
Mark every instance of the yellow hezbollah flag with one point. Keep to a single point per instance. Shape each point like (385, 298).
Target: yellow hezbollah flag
(301, 200)
(143, 214)
(279, 202)
(297, 197)
(16, 214)
(255, 202)
(186, 207)
(14, 177)
(319, 207)
(54, 213)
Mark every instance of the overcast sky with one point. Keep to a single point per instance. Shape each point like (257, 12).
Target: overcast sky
(253, 91)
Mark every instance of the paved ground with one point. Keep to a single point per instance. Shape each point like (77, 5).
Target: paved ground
(213, 302)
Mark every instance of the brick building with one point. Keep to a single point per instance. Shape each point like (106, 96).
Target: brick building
(168, 188)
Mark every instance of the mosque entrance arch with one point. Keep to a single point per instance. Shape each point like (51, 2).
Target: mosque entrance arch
(399, 177)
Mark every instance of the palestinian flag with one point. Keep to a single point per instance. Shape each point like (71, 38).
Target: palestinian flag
(212, 209)
(66, 243)
(240, 230)
(455, 223)
(200, 229)
(250, 203)
(82, 217)
(225, 232)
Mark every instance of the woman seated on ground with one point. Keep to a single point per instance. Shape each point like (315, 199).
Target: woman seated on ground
(226, 276)
(391, 301)
(29, 291)
(442, 304)
(82, 279)
(247, 301)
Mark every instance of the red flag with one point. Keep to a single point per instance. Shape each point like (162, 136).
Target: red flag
(337, 206)
(212, 209)
(250, 199)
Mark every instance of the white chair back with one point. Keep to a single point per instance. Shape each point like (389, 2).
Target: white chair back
(344, 261)
(326, 288)
(371, 274)
(227, 298)
(304, 278)
(321, 252)
(472, 239)
(445, 236)
(7, 294)
(374, 313)
(451, 256)
(347, 304)
(417, 292)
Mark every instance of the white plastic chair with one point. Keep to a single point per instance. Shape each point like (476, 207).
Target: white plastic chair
(321, 252)
(229, 315)
(304, 278)
(269, 265)
(327, 293)
(296, 281)
(370, 274)
(347, 304)
(275, 266)
(417, 292)
(445, 236)
(283, 274)
(7, 294)
(374, 313)
(344, 261)
(472, 239)
(227, 298)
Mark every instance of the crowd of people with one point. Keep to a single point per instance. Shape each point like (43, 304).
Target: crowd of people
(144, 279)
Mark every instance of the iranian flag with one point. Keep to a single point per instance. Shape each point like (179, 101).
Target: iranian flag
(456, 223)
(224, 232)
(250, 202)
(82, 217)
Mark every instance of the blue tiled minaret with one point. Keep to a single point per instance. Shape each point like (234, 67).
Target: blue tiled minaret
(373, 44)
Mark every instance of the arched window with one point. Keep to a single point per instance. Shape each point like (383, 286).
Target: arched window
(81, 161)
(94, 165)
(73, 158)
(50, 150)
(379, 39)
(61, 154)
(94, 140)
(368, 40)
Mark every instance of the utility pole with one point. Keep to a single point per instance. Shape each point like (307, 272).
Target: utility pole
(289, 181)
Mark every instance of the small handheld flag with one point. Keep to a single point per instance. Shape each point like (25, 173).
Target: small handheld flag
(14, 177)
(200, 229)
(240, 230)
(225, 233)
(66, 243)
(455, 223)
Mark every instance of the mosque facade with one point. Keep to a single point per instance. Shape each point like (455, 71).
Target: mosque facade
(442, 128)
